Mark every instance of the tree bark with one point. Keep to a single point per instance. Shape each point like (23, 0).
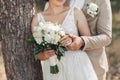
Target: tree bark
(15, 19)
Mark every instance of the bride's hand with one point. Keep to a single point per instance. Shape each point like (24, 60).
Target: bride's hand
(45, 55)
(76, 44)
(66, 40)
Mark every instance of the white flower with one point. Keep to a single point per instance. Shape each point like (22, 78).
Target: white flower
(62, 33)
(56, 38)
(92, 9)
(38, 37)
(41, 24)
(51, 32)
(37, 28)
(48, 38)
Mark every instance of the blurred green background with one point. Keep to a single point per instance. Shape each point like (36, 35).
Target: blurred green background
(113, 50)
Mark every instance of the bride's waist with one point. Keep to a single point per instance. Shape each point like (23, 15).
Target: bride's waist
(74, 55)
(74, 52)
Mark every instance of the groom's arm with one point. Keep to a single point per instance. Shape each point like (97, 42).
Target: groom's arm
(103, 27)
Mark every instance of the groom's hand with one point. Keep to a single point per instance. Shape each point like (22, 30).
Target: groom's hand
(76, 44)
(66, 40)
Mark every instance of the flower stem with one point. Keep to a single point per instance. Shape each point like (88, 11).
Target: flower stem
(54, 69)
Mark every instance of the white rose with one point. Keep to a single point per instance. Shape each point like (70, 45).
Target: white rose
(92, 9)
(37, 28)
(93, 6)
(56, 38)
(62, 33)
(38, 37)
(40, 24)
(49, 38)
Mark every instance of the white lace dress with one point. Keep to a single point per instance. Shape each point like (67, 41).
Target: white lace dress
(74, 65)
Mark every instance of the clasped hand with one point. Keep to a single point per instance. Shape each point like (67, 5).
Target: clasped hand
(71, 42)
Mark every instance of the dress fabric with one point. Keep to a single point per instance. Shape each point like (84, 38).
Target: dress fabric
(74, 65)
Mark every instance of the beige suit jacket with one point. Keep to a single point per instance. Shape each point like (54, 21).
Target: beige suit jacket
(101, 29)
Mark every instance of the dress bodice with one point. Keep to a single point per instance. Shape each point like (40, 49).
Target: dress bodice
(68, 25)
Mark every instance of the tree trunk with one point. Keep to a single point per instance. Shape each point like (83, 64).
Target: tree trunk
(15, 19)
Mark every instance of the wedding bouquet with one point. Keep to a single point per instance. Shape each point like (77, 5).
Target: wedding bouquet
(47, 36)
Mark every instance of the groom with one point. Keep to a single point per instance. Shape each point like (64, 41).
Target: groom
(101, 30)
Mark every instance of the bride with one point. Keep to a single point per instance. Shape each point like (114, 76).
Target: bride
(75, 64)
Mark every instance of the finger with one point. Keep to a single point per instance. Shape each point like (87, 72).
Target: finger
(65, 44)
(48, 50)
(66, 40)
(46, 56)
(72, 36)
(64, 37)
(71, 47)
(51, 53)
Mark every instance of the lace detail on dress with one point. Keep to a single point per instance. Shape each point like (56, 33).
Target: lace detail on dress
(70, 25)
(40, 17)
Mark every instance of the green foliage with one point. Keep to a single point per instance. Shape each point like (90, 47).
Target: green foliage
(116, 26)
(45, 46)
(31, 39)
(115, 5)
(54, 69)
(116, 33)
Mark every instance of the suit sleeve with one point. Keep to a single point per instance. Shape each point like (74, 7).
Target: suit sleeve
(103, 27)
